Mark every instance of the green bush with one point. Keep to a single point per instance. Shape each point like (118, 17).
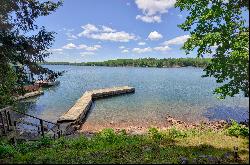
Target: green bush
(155, 134)
(174, 133)
(79, 143)
(8, 80)
(6, 150)
(237, 129)
(107, 135)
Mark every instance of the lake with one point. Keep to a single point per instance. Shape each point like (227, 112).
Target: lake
(179, 92)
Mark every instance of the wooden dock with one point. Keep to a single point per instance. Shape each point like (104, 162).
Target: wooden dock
(78, 112)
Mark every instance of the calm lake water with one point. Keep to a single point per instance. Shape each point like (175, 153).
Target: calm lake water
(179, 92)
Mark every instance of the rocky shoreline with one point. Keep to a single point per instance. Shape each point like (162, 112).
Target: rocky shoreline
(139, 129)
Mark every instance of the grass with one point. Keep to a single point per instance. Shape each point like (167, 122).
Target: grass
(170, 146)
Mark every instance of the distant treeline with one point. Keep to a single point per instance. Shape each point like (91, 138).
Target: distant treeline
(144, 62)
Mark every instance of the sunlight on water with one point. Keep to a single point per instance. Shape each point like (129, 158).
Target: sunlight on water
(179, 92)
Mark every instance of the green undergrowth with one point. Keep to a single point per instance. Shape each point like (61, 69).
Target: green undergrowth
(171, 146)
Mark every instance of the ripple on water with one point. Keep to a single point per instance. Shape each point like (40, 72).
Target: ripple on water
(179, 92)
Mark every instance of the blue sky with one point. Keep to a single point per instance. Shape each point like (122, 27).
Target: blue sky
(98, 30)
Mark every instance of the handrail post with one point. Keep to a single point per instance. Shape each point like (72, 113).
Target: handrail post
(9, 117)
(7, 120)
(42, 129)
(58, 132)
(38, 130)
(1, 116)
(15, 124)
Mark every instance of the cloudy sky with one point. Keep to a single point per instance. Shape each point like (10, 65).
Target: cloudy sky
(97, 30)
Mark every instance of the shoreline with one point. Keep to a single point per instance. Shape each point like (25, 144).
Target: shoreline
(140, 128)
(164, 67)
(141, 62)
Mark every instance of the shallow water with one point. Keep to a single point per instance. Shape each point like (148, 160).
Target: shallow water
(179, 92)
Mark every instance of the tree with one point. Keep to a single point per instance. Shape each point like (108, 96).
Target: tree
(22, 42)
(7, 81)
(218, 27)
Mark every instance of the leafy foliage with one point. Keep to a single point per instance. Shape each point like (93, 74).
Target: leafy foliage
(237, 129)
(155, 134)
(218, 27)
(22, 42)
(175, 133)
(7, 82)
(6, 150)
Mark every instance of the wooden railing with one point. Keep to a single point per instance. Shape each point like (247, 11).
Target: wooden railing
(14, 123)
(5, 121)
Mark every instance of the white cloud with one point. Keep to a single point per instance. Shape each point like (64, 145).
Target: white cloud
(88, 28)
(113, 36)
(56, 51)
(106, 34)
(142, 50)
(93, 48)
(177, 40)
(149, 19)
(71, 36)
(107, 29)
(86, 53)
(162, 48)
(141, 43)
(153, 9)
(122, 47)
(125, 51)
(82, 46)
(70, 46)
(89, 48)
(154, 35)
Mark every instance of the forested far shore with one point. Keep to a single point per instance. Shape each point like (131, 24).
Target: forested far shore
(144, 62)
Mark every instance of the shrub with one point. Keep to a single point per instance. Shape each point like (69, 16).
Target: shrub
(79, 143)
(107, 135)
(6, 150)
(237, 129)
(174, 133)
(45, 141)
(155, 134)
